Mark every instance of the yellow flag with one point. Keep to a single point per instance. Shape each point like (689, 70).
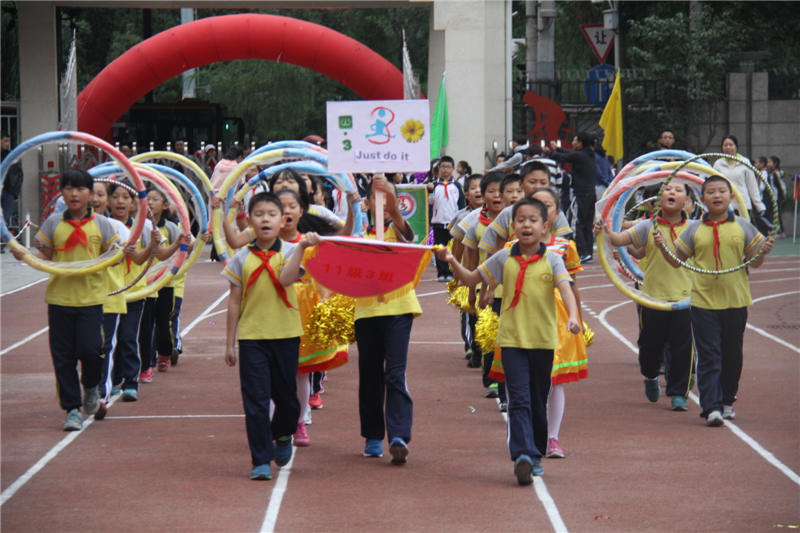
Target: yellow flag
(611, 122)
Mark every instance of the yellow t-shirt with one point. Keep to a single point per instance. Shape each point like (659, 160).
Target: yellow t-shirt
(737, 238)
(532, 322)
(82, 290)
(401, 305)
(263, 313)
(131, 269)
(661, 280)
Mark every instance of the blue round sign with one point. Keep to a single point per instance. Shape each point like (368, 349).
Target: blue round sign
(599, 82)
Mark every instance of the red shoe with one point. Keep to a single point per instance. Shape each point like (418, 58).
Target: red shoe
(146, 376)
(301, 435)
(554, 450)
(163, 363)
(315, 402)
(101, 411)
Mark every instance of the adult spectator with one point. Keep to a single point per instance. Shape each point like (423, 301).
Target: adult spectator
(584, 173)
(740, 176)
(12, 185)
(232, 157)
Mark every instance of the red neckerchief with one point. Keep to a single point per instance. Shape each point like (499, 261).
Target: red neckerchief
(265, 257)
(715, 227)
(374, 231)
(296, 239)
(664, 221)
(446, 183)
(517, 254)
(483, 219)
(128, 260)
(78, 236)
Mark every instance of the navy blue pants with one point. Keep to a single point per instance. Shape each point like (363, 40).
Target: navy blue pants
(155, 334)
(527, 385)
(268, 370)
(76, 334)
(127, 364)
(110, 323)
(718, 337)
(659, 330)
(175, 323)
(441, 235)
(382, 355)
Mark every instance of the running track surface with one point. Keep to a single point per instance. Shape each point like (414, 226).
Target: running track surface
(177, 460)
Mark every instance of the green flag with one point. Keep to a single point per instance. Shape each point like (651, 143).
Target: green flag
(439, 127)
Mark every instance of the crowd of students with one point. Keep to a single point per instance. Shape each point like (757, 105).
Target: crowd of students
(511, 245)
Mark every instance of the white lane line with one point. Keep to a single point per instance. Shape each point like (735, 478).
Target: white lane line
(23, 341)
(215, 313)
(590, 287)
(276, 496)
(773, 338)
(31, 284)
(430, 293)
(63, 443)
(771, 296)
(747, 439)
(436, 342)
(540, 487)
(773, 280)
(139, 417)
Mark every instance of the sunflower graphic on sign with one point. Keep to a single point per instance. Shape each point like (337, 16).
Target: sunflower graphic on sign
(412, 130)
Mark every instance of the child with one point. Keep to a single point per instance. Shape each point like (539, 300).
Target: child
(535, 175)
(382, 333)
(75, 303)
(511, 189)
(261, 278)
(530, 273)
(155, 334)
(446, 198)
(719, 302)
(659, 329)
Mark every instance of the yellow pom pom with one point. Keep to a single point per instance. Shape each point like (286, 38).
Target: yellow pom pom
(588, 335)
(452, 285)
(486, 330)
(332, 321)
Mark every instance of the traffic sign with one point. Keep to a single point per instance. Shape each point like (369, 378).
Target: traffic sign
(599, 39)
(599, 83)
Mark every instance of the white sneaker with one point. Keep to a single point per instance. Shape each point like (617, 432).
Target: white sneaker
(714, 419)
(728, 413)
(307, 418)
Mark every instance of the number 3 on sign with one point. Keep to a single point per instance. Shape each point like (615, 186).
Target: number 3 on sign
(347, 145)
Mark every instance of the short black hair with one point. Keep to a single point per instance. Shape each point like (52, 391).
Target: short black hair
(549, 191)
(712, 179)
(491, 177)
(532, 202)
(267, 197)
(296, 197)
(533, 165)
(233, 152)
(510, 178)
(586, 138)
(75, 177)
(731, 137)
(447, 159)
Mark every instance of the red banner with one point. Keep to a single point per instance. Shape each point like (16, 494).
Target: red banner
(363, 268)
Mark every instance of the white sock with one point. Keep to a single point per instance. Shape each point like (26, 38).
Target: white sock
(555, 410)
(303, 392)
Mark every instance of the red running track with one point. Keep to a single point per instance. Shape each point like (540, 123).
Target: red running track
(177, 460)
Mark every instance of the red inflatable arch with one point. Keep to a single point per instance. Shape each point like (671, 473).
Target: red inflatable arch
(226, 38)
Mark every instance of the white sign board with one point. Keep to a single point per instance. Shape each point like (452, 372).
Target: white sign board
(599, 39)
(378, 136)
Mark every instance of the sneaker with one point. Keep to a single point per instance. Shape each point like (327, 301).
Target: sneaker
(468, 354)
(449, 278)
(146, 376)
(728, 413)
(115, 390)
(714, 419)
(523, 469)
(163, 363)
(554, 449)
(398, 449)
(91, 400)
(491, 391)
(173, 359)
(283, 450)
(301, 435)
(441, 278)
(315, 401)
(74, 420)
(307, 419)
(503, 407)
(679, 404)
(537, 467)
(586, 258)
(101, 411)
(651, 389)
(261, 472)
(373, 448)
(130, 395)
(475, 360)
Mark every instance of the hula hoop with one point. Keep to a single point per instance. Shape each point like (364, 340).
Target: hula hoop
(649, 157)
(183, 160)
(223, 250)
(165, 186)
(104, 260)
(741, 203)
